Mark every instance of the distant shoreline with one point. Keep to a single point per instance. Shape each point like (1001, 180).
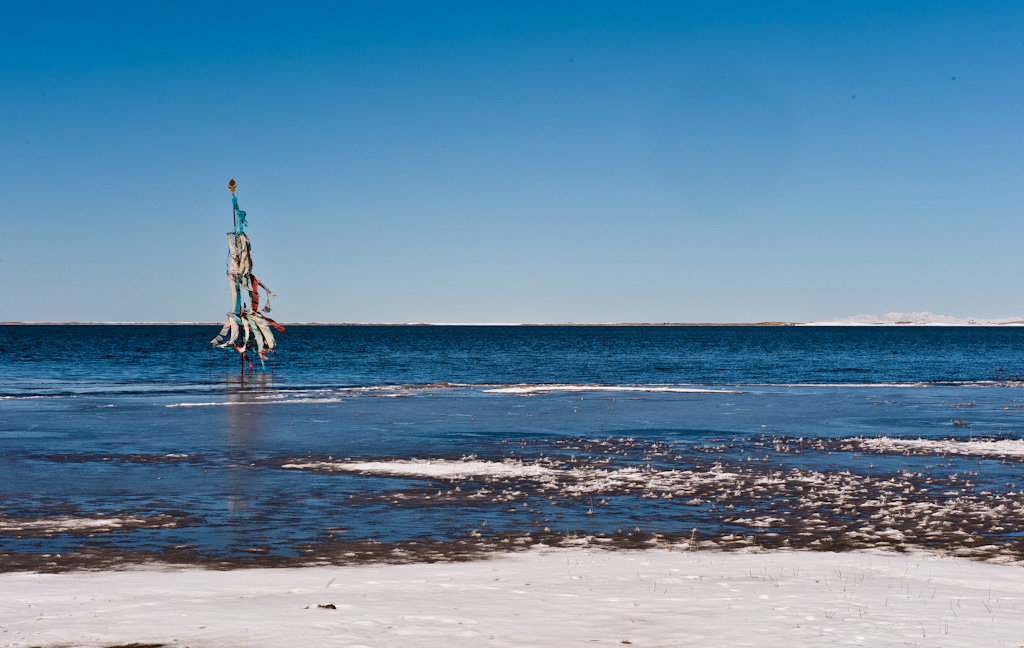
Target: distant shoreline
(411, 324)
(534, 324)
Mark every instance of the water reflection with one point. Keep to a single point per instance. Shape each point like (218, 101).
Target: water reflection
(244, 434)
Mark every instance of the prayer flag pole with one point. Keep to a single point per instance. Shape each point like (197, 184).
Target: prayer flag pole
(246, 328)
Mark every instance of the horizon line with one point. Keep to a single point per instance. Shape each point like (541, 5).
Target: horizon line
(832, 323)
(112, 323)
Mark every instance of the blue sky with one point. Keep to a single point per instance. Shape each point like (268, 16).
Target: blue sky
(519, 162)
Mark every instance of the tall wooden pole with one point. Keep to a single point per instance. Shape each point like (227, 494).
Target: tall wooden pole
(232, 185)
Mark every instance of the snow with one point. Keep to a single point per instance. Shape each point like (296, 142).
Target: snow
(980, 448)
(795, 507)
(274, 401)
(431, 468)
(923, 318)
(542, 597)
(65, 523)
(574, 481)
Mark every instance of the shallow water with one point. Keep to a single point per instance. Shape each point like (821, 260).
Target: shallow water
(117, 463)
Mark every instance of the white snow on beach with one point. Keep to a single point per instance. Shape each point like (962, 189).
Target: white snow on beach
(543, 597)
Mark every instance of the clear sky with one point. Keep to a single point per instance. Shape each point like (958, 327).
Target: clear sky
(513, 162)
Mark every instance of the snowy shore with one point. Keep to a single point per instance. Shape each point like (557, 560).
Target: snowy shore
(541, 597)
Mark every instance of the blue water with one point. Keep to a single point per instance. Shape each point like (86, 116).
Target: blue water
(68, 359)
(168, 451)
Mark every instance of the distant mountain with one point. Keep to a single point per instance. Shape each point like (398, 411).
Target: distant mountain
(925, 318)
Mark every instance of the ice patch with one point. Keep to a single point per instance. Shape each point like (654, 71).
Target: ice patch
(64, 524)
(260, 401)
(434, 468)
(981, 448)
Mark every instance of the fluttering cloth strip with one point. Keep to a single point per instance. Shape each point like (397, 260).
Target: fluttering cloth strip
(246, 327)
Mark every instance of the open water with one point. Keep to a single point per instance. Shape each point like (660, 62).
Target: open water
(123, 443)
